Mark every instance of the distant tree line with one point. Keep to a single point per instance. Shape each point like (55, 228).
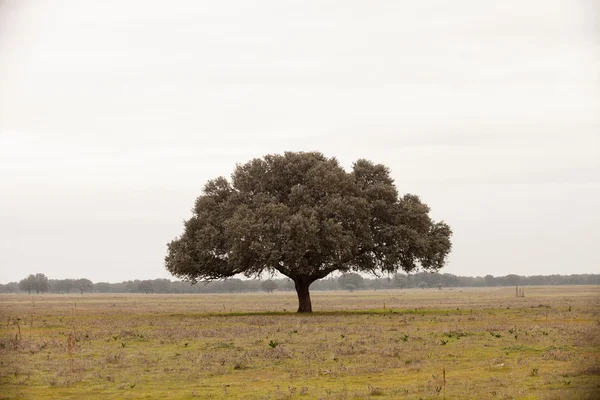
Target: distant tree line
(39, 283)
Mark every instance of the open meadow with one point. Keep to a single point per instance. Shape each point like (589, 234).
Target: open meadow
(460, 343)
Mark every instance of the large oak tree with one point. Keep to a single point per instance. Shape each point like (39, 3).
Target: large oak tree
(302, 215)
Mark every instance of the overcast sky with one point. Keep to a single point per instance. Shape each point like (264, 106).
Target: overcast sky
(113, 114)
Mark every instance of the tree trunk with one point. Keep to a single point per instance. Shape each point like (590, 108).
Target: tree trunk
(304, 304)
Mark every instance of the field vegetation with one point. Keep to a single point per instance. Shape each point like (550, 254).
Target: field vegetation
(459, 343)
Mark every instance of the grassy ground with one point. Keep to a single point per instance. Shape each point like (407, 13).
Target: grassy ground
(430, 344)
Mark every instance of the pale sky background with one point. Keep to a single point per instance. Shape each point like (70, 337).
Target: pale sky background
(113, 115)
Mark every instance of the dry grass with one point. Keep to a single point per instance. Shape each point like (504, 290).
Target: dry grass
(383, 344)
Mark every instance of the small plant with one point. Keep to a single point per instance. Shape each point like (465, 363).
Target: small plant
(273, 344)
(443, 342)
(342, 336)
(70, 343)
(375, 391)
(534, 372)
(404, 338)
(456, 334)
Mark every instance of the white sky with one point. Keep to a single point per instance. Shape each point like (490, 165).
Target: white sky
(113, 114)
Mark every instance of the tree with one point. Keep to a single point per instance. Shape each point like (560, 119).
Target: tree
(376, 283)
(422, 285)
(233, 285)
(102, 287)
(350, 279)
(37, 282)
(269, 286)
(304, 216)
(513, 280)
(84, 285)
(490, 280)
(41, 283)
(161, 285)
(400, 281)
(145, 286)
(28, 284)
(10, 287)
(62, 285)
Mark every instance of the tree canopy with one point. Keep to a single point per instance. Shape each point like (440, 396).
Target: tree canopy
(84, 285)
(302, 215)
(269, 286)
(352, 279)
(37, 282)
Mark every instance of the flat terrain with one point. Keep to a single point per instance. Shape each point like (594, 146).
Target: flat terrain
(454, 343)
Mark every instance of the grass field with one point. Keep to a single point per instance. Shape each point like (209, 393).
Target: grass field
(430, 344)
